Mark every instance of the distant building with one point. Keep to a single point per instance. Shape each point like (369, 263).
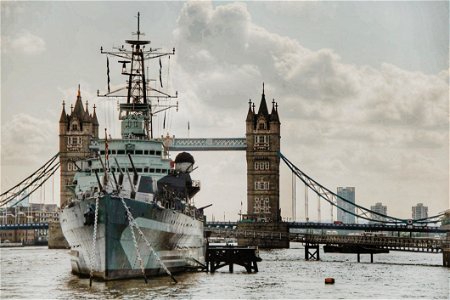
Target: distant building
(379, 208)
(347, 193)
(419, 211)
(32, 213)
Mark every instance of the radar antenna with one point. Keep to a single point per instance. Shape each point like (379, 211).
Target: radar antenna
(141, 103)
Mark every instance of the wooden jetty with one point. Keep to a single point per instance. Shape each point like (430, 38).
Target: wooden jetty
(221, 256)
(358, 249)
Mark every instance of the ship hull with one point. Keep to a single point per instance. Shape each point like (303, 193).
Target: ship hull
(175, 238)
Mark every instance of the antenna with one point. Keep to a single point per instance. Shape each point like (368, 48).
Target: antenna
(137, 105)
(138, 33)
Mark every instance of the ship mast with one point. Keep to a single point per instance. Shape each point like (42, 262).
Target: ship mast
(138, 111)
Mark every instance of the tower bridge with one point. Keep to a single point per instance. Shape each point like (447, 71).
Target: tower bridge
(262, 146)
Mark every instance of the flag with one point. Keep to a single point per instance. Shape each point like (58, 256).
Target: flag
(160, 72)
(164, 122)
(107, 73)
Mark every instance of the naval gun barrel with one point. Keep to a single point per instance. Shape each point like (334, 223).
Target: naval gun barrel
(135, 177)
(120, 172)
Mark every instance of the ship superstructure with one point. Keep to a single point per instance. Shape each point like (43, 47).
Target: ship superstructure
(131, 212)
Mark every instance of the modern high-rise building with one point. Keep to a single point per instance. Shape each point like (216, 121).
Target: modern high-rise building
(348, 193)
(379, 208)
(419, 211)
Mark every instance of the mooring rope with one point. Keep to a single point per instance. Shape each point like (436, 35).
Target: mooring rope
(134, 224)
(94, 240)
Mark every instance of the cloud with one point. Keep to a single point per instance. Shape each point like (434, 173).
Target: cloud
(350, 118)
(26, 140)
(26, 43)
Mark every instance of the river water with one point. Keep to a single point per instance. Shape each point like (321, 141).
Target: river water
(37, 272)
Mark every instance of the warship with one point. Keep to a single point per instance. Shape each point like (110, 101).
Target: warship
(132, 212)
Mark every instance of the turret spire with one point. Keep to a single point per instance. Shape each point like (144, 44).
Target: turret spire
(63, 118)
(274, 114)
(250, 113)
(263, 106)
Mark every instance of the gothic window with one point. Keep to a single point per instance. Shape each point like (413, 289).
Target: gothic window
(74, 126)
(262, 125)
(261, 205)
(74, 142)
(261, 141)
(261, 185)
(262, 165)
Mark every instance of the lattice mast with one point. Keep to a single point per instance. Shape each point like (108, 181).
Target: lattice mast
(143, 101)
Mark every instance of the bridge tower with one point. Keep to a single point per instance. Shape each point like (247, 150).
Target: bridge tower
(263, 162)
(76, 130)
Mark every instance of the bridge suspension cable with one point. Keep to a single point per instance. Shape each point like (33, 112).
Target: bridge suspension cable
(331, 198)
(26, 187)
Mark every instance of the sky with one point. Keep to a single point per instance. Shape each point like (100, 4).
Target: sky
(362, 88)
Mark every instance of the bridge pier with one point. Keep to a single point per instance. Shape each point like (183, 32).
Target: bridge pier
(218, 257)
(56, 239)
(446, 257)
(359, 257)
(312, 251)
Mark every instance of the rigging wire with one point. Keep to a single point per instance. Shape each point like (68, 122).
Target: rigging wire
(314, 184)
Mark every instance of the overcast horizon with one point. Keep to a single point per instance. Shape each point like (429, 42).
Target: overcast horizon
(362, 89)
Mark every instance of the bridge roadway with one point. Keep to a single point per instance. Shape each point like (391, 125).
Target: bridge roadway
(292, 225)
(24, 226)
(382, 242)
(365, 227)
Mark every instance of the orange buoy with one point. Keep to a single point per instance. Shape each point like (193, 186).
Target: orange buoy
(329, 280)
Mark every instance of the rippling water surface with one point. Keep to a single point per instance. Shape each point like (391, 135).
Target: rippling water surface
(37, 272)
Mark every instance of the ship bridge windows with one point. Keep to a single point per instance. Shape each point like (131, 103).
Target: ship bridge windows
(135, 152)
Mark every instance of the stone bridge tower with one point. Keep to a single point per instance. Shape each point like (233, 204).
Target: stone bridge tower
(76, 130)
(263, 162)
